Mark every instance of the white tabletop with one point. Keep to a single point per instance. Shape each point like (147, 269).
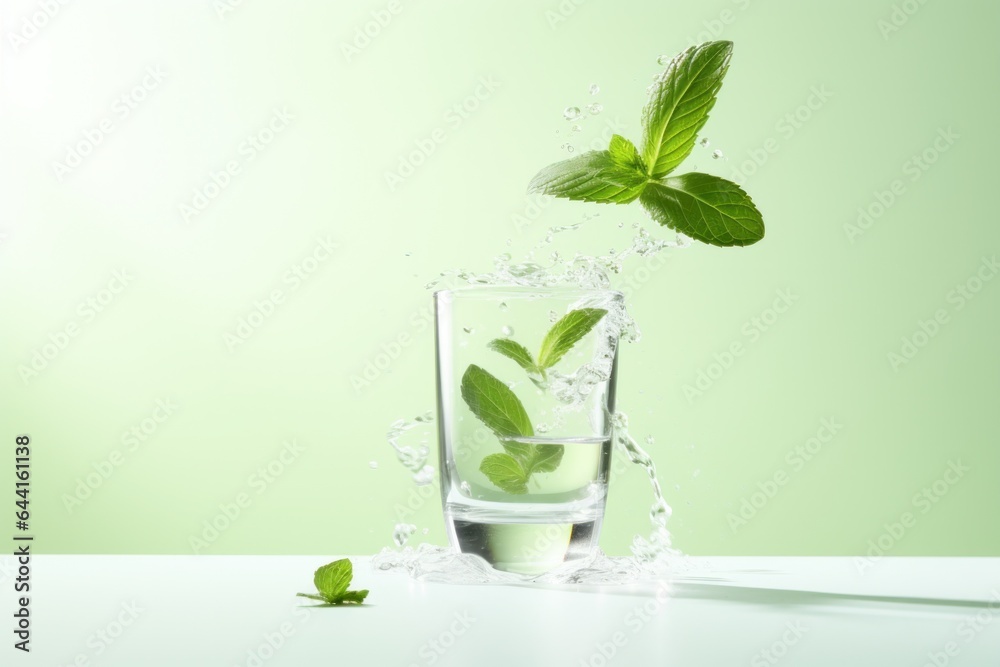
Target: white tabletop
(143, 611)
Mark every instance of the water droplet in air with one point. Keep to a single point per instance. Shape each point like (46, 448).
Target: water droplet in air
(595, 108)
(507, 331)
(704, 141)
(594, 89)
(425, 531)
(424, 476)
(373, 465)
(407, 254)
(576, 128)
(569, 149)
(401, 533)
(571, 113)
(650, 440)
(503, 306)
(553, 316)
(697, 471)
(663, 61)
(716, 154)
(620, 225)
(468, 330)
(466, 489)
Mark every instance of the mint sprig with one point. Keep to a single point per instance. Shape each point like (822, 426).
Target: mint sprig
(705, 207)
(499, 408)
(563, 335)
(332, 581)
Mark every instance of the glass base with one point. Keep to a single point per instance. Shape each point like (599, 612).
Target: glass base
(524, 548)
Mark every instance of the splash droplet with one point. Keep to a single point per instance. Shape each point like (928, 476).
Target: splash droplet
(594, 89)
(468, 330)
(401, 533)
(595, 108)
(663, 61)
(704, 141)
(503, 306)
(716, 154)
(576, 128)
(571, 113)
(373, 465)
(507, 331)
(650, 440)
(424, 476)
(466, 489)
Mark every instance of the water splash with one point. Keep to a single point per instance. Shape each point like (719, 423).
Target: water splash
(402, 532)
(413, 459)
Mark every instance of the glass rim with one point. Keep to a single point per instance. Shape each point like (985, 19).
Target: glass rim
(524, 291)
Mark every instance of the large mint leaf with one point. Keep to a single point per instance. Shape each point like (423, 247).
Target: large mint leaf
(566, 333)
(705, 207)
(594, 176)
(679, 103)
(495, 404)
(506, 472)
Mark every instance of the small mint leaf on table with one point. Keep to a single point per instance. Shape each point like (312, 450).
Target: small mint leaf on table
(679, 103)
(333, 578)
(356, 597)
(566, 333)
(706, 208)
(332, 581)
(594, 176)
(506, 472)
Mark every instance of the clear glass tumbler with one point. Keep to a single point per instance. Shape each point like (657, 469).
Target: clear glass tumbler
(526, 391)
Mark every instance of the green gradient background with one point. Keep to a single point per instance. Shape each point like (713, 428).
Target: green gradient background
(163, 337)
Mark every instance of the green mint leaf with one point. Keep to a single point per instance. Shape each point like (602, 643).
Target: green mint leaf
(679, 104)
(331, 581)
(547, 458)
(566, 333)
(356, 597)
(623, 152)
(515, 351)
(705, 207)
(522, 451)
(505, 471)
(594, 176)
(333, 578)
(495, 404)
